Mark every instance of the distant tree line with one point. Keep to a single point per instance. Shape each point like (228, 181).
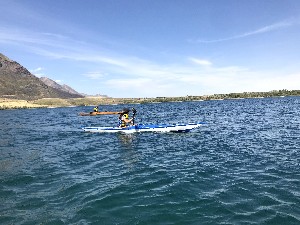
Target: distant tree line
(274, 93)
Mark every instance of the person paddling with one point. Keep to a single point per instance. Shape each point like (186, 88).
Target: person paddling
(124, 118)
(96, 109)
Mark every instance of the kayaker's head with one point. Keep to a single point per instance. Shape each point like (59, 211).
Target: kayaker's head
(125, 111)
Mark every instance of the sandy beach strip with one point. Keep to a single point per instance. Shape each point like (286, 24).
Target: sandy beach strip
(17, 104)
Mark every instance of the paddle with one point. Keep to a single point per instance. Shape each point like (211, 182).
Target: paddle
(133, 115)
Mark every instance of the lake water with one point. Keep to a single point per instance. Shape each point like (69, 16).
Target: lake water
(242, 167)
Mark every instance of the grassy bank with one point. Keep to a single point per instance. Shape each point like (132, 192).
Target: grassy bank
(6, 103)
(18, 104)
(88, 101)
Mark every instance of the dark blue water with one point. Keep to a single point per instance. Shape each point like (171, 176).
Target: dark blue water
(242, 167)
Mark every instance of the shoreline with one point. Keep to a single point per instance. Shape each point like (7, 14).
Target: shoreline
(18, 104)
(6, 103)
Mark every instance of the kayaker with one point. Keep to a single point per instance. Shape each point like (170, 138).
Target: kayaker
(95, 109)
(124, 118)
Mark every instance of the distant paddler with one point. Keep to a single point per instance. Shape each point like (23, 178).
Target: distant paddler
(96, 112)
(96, 109)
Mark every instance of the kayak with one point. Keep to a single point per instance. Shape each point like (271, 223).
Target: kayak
(98, 113)
(177, 128)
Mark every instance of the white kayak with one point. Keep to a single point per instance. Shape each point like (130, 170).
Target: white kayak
(146, 127)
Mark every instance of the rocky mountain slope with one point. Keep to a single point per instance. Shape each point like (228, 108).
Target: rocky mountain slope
(18, 83)
(64, 87)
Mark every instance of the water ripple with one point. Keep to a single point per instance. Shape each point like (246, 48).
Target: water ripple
(242, 167)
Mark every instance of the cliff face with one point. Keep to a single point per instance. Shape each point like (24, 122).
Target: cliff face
(18, 83)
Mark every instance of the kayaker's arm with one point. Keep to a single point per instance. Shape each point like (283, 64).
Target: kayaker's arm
(128, 120)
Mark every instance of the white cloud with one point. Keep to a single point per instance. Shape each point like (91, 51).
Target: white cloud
(59, 81)
(262, 82)
(268, 28)
(38, 72)
(129, 83)
(94, 75)
(142, 87)
(133, 76)
(201, 62)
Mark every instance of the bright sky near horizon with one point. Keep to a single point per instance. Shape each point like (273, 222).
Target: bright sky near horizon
(144, 48)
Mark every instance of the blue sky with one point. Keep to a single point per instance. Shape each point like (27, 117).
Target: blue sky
(143, 48)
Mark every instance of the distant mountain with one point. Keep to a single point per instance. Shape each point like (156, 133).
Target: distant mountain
(18, 83)
(64, 87)
(51, 83)
(97, 96)
(71, 90)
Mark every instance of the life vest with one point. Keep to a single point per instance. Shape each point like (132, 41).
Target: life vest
(122, 123)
